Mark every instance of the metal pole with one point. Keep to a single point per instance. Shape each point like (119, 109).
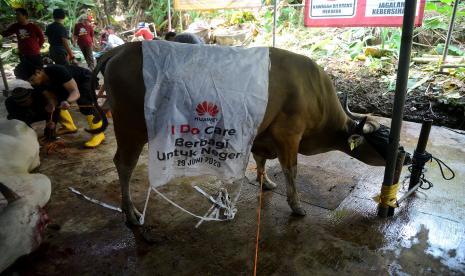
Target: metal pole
(399, 98)
(180, 20)
(418, 163)
(387, 210)
(169, 16)
(275, 7)
(449, 33)
(5, 82)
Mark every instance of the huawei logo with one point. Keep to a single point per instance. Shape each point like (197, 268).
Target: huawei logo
(206, 107)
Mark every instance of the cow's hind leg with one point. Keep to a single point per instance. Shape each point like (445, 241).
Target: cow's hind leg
(288, 146)
(125, 160)
(261, 172)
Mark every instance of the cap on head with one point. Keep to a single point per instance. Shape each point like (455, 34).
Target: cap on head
(141, 25)
(59, 14)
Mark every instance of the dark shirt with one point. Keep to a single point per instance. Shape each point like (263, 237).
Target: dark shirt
(55, 33)
(30, 38)
(58, 75)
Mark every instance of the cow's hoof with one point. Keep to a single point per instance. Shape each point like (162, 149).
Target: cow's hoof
(132, 219)
(298, 211)
(132, 216)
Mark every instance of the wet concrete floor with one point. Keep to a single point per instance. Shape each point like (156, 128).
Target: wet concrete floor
(340, 234)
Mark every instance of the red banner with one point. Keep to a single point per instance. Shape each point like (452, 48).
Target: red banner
(358, 13)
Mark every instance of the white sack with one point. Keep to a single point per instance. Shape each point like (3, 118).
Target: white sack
(192, 90)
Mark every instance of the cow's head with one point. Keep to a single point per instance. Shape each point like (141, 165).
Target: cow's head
(368, 140)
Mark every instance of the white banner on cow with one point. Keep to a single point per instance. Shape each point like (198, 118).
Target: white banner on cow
(203, 105)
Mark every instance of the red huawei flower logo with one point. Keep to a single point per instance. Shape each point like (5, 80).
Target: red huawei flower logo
(206, 107)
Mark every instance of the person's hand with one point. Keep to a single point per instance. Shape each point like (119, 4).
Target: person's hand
(71, 57)
(65, 105)
(50, 108)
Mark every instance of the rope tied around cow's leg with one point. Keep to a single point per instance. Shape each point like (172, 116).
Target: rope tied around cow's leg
(388, 196)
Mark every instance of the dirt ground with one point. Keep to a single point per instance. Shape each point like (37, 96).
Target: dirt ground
(368, 94)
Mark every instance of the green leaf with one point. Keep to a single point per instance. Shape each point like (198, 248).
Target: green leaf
(453, 50)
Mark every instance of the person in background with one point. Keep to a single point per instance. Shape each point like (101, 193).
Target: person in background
(112, 40)
(63, 85)
(143, 32)
(169, 36)
(58, 37)
(30, 38)
(84, 35)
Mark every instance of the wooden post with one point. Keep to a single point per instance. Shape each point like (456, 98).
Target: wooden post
(169, 16)
(6, 91)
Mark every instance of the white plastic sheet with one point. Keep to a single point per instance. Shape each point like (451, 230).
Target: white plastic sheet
(203, 106)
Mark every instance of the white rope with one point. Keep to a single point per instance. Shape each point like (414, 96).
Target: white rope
(142, 217)
(222, 201)
(103, 204)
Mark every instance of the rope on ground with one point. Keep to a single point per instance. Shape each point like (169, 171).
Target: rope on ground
(103, 204)
(258, 226)
(221, 202)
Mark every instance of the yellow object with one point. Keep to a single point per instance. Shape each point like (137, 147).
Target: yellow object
(352, 145)
(96, 139)
(388, 196)
(67, 124)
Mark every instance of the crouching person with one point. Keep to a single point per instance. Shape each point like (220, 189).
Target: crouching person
(64, 85)
(27, 105)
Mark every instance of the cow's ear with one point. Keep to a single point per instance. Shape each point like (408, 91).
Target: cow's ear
(370, 126)
(354, 141)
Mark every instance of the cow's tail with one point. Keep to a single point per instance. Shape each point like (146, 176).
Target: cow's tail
(100, 68)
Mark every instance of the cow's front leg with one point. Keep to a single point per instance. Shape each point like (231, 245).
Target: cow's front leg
(288, 146)
(261, 172)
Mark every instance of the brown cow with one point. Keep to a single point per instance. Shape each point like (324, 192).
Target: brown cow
(303, 116)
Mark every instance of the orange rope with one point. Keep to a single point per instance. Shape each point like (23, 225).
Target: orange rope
(258, 226)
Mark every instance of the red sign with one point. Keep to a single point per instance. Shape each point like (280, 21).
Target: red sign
(358, 13)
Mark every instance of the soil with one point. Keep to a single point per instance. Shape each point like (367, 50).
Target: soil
(367, 94)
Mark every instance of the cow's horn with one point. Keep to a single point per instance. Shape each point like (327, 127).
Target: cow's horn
(349, 113)
(9, 195)
(359, 127)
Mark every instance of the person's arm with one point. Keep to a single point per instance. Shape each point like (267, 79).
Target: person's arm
(65, 41)
(91, 33)
(51, 101)
(73, 90)
(68, 49)
(40, 35)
